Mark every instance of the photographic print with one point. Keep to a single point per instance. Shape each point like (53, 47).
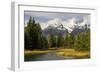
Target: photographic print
(56, 36)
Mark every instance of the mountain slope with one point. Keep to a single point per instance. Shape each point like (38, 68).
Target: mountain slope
(58, 30)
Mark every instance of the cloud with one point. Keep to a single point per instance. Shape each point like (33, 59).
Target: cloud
(86, 20)
(68, 20)
(68, 24)
(41, 16)
(54, 22)
(44, 25)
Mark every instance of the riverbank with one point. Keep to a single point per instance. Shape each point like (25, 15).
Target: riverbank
(60, 52)
(35, 52)
(73, 53)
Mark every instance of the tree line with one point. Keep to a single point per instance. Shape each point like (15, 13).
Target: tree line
(34, 38)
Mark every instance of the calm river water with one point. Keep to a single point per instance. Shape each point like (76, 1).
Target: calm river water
(48, 56)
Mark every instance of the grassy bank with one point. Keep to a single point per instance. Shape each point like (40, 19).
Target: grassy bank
(61, 52)
(35, 52)
(73, 53)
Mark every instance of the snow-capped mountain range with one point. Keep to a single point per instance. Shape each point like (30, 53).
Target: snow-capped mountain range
(58, 30)
(58, 27)
(69, 25)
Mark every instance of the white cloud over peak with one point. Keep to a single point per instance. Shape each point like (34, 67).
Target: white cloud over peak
(68, 24)
(54, 22)
(68, 20)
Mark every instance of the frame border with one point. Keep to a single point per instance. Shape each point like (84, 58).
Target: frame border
(15, 32)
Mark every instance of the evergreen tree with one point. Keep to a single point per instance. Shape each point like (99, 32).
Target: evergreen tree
(86, 44)
(78, 41)
(82, 41)
(34, 38)
(26, 39)
(69, 41)
(60, 41)
(44, 43)
(66, 41)
(52, 41)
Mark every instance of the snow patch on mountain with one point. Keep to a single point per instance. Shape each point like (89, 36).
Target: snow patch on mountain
(68, 24)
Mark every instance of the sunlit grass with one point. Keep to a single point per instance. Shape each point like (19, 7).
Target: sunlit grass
(35, 52)
(61, 52)
(73, 53)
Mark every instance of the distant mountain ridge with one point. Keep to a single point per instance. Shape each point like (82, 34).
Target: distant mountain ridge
(59, 29)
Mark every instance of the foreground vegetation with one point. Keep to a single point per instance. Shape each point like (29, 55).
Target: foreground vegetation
(61, 52)
(73, 53)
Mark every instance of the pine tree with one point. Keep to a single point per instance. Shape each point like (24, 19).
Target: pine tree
(26, 39)
(44, 43)
(66, 41)
(60, 41)
(52, 41)
(69, 40)
(82, 41)
(79, 41)
(34, 38)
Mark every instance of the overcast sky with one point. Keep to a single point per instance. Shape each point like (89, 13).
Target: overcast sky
(48, 18)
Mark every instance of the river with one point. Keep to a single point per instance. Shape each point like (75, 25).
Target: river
(43, 57)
